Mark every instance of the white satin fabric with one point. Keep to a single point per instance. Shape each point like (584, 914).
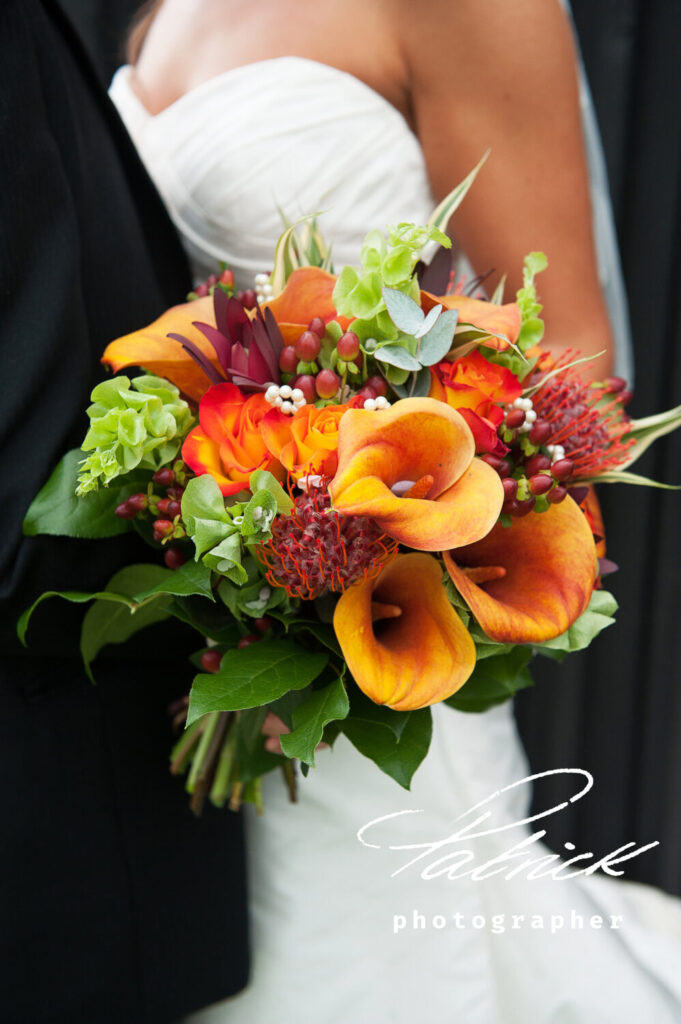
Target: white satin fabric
(294, 135)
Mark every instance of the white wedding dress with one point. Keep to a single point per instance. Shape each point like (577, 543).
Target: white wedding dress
(337, 936)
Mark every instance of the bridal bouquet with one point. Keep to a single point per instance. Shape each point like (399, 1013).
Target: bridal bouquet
(366, 494)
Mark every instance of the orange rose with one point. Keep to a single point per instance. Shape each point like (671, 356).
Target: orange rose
(306, 442)
(228, 442)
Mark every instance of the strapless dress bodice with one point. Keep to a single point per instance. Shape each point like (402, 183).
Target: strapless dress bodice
(278, 139)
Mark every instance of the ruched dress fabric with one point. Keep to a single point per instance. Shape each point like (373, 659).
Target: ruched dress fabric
(339, 933)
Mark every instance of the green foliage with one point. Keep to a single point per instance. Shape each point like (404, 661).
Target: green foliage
(57, 511)
(310, 719)
(254, 676)
(139, 423)
(532, 329)
(494, 680)
(396, 741)
(597, 617)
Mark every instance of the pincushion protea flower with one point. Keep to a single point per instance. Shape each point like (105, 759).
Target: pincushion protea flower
(314, 550)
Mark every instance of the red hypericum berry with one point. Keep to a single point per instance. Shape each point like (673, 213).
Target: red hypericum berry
(263, 624)
(510, 507)
(212, 280)
(541, 483)
(138, 501)
(162, 528)
(556, 494)
(563, 469)
(326, 383)
(510, 487)
(306, 384)
(288, 360)
(162, 505)
(175, 492)
(515, 419)
(165, 477)
(540, 433)
(615, 384)
(348, 346)
(317, 326)
(227, 277)
(174, 558)
(524, 507)
(625, 397)
(246, 641)
(210, 661)
(174, 509)
(492, 460)
(536, 463)
(308, 345)
(504, 468)
(248, 299)
(201, 290)
(358, 361)
(366, 392)
(125, 511)
(378, 384)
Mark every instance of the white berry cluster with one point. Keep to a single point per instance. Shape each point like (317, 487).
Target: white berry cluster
(556, 451)
(530, 415)
(263, 289)
(376, 403)
(284, 397)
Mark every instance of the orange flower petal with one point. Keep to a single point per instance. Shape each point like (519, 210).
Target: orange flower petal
(308, 293)
(416, 438)
(152, 349)
(488, 316)
(551, 567)
(412, 659)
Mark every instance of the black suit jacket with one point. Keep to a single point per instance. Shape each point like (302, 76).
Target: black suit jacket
(116, 905)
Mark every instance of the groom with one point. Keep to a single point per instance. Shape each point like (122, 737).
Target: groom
(116, 905)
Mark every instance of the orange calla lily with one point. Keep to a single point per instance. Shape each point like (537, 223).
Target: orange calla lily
(451, 498)
(308, 293)
(528, 582)
(158, 354)
(488, 316)
(403, 642)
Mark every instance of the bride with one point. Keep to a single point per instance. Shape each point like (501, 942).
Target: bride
(371, 112)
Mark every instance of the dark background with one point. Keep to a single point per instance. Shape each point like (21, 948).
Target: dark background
(616, 709)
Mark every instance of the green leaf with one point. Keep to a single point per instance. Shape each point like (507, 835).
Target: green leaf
(254, 676)
(258, 515)
(621, 476)
(395, 355)
(57, 511)
(225, 558)
(494, 680)
(210, 620)
(435, 345)
(263, 480)
(204, 514)
(440, 216)
(647, 430)
(104, 624)
(598, 616)
(406, 314)
(397, 757)
(190, 579)
(311, 717)
(75, 597)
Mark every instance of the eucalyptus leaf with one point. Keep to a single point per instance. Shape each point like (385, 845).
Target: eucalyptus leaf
(395, 355)
(416, 386)
(311, 717)
(254, 676)
(435, 345)
(406, 314)
(428, 321)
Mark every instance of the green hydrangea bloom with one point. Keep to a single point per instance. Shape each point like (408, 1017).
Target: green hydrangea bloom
(138, 423)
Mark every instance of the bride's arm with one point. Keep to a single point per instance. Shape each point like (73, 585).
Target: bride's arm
(507, 80)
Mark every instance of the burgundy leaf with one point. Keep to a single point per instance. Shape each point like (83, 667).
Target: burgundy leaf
(239, 359)
(199, 358)
(236, 319)
(261, 343)
(221, 344)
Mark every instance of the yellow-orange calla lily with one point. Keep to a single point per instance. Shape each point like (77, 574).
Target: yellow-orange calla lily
(308, 293)
(403, 642)
(424, 446)
(488, 316)
(528, 582)
(152, 349)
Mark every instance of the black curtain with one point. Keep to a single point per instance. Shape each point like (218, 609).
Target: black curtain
(615, 710)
